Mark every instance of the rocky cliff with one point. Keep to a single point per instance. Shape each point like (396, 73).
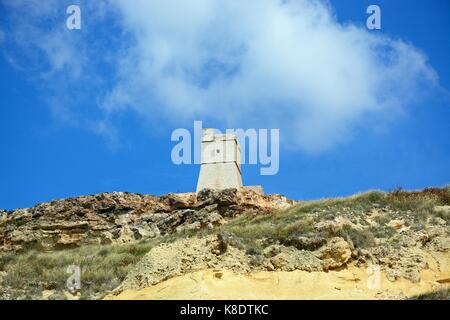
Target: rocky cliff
(125, 217)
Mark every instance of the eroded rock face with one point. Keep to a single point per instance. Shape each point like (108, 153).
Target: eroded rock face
(120, 217)
(438, 238)
(187, 255)
(332, 254)
(335, 254)
(404, 263)
(284, 258)
(173, 259)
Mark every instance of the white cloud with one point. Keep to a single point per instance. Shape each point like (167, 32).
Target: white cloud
(286, 64)
(267, 64)
(38, 29)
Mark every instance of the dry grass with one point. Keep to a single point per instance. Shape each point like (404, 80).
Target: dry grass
(299, 220)
(104, 267)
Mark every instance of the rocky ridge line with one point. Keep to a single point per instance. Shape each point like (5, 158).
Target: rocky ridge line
(120, 217)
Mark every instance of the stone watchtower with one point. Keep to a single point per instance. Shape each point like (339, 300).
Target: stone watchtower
(221, 161)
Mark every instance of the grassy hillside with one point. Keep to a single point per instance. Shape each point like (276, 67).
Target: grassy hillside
(305, 226)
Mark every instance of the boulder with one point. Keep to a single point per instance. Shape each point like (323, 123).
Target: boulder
(224, 197)
(146, 231)
(289, 258)
(335, 254)
(178, 201)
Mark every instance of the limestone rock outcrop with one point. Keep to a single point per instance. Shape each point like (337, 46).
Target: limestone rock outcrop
(187, 255)
(335, 254)
(121, 217)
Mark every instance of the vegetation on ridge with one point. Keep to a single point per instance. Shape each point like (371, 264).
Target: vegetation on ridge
(26, 275)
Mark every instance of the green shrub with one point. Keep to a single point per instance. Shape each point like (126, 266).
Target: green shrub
(382, 232)
(360, 238)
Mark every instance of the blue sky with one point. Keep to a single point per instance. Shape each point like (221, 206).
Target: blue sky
(92, 110)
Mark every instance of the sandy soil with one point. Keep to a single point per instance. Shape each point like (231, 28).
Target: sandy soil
(349, 283)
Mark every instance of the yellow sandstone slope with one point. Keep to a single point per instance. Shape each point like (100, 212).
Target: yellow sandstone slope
(345, 284)
(348, 283)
